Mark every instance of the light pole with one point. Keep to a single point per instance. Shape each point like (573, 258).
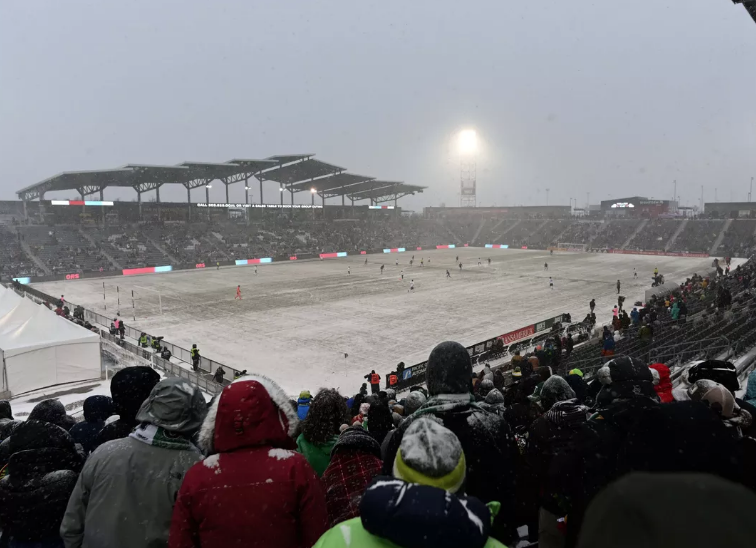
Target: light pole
(207, 193)
(312, 195)
(246, 194)
(280, 191)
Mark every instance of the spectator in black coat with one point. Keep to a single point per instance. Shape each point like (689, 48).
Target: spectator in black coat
(578, 386)
(6, 414)
(129, 388)
(96, 410)
(488, 443)
(41, 474)
(590, 463)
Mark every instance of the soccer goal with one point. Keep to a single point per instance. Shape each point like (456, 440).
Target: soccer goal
(568, 246)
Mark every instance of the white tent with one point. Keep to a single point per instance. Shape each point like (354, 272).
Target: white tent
(40, 349)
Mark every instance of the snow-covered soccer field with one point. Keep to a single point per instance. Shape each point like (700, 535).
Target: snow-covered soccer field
(296, 321)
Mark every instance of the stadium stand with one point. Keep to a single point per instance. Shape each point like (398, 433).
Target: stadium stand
(615, 234)
(698, 237)
(655, 235)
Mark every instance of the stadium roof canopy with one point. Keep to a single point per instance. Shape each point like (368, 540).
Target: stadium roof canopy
(294, 172)
(749, 5)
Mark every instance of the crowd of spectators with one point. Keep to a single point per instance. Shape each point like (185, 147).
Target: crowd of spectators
(70, 248)
(698, 236)
(655, 235)
(468, 459)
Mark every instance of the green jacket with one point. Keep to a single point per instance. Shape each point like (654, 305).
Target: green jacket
(352, 533)
(318, 455)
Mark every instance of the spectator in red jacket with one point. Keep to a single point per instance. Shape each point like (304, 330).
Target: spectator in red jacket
(664, 386)
(355, 461)
(253, 489)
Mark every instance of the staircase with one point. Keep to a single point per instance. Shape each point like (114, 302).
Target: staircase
(162, 250)
(718, 241)
(455, 239)
(640, 227)
(671, 241)
(213, 241)
(482, 224)
(510, 228)
(33, 257)
(105, 254)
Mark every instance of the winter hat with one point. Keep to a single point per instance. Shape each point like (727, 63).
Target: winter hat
(449, 369)
(716, 396)
(494, 397)
(413, 402)
(715, 370)
(305, 395)
(357, 438)
(130, 387)
(554, 390)
(364, 408)
(576, 372)
(174, 405)
(52, 411)
(567, 412)
(517, 372)
(97, 408)
(430, 454)
(391, 393)
(486, 386)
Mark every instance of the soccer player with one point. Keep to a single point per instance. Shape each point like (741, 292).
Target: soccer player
(349, 270)
(255, 270)
(381, 269)
(422, 261)
(447, 273)
(545, 266)
(402, 274)
(457, 259)
(412, 260)
(635, 274)
(397, 262)
(460, 267)
(618, 287)
(365, 261)
(489, 261)
(238, 293)
(412, 285)
(551, 283)
(479, 263)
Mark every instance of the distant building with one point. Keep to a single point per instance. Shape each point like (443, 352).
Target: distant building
(730, 210)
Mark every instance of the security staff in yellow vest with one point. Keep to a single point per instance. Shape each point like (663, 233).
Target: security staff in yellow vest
(195, 357)
(143, 340)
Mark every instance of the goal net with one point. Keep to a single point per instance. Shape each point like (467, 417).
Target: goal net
(568, 246)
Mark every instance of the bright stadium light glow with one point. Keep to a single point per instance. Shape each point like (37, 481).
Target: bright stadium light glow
(313, 190)
(209, 186)
(467, 141)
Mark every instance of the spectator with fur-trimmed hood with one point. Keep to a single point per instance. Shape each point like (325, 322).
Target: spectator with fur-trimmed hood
(488, 443)
(125, 494)
(253, 488)
(320, 429)
(355, 461)
(40, 476)
(423, 504)
(54, 412)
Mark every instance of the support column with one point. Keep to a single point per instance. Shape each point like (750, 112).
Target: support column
(342, 200)
(157, 201)
(280, 191)
(139, 201)
(352, 205)
(227, 200)
(261, 191)
(102, 199)
(26, 214)
(189, 200)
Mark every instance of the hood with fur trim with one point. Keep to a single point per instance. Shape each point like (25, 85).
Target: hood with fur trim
(251, 411)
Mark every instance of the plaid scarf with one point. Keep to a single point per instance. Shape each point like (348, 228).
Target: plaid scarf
(159, 437)
(566, 412)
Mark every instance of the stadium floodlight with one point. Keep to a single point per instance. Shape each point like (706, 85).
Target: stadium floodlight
(209, 186)
(280, 189)
(246, 188)
(467, 141)
(313, 190)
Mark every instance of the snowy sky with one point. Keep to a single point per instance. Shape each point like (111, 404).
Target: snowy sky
(611, 98)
